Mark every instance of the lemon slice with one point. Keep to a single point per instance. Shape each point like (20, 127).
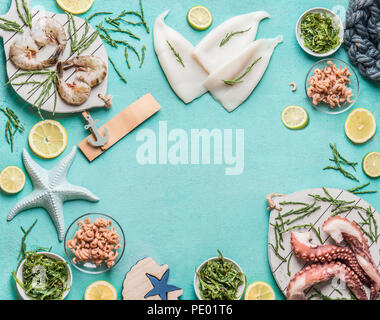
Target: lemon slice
(294, 117)
(12, 180)
(259, 291)
(199, 18)
(100, 290)
(371, 164)
(75, 6)
(360, 125)
(48, 139)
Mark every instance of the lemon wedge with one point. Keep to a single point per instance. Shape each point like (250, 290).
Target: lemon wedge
(12, 180)
(100, 290)
(48, 139)
(75, 6)
(360, 125)
(259, 291)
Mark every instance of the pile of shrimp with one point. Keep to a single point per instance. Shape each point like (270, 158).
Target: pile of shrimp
(329, 85)
(95, 242)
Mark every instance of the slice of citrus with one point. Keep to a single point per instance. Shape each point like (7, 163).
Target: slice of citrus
(259, 291)
(48, 139)
(199, 18)
(294, 117)
(360, 125)
(12, 180)
(371, 164)
(75, 6)
(100, 290)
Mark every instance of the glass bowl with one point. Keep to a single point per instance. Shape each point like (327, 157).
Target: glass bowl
(90, 267)
(354, 85)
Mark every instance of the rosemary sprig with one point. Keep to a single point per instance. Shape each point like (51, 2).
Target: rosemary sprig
(84, 42)
(9, 25)
(176, 54)
(338, 159)
(143, 49)
(117, 71)
(239, 79)
(230, 35)
(25, 16)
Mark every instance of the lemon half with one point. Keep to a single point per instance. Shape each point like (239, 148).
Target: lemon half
(48, 139)
(75, 6)
(360, 125)
(100, 290)
(199, 18)
(259, 291)
(12, 180)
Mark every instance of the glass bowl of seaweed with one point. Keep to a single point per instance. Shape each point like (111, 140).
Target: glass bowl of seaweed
(222, 271)
(89, 266)
(321, 21)
(352, 85)
(42, 270)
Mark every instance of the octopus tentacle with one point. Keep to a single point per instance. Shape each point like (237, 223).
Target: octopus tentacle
(320, 272)
(343, 229)
(306, 250)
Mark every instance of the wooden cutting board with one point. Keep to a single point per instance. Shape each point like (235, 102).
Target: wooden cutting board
(280, 269)
(97, 48)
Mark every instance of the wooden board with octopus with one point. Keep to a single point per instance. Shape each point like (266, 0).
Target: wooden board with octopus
(283, 261)
(97, 48)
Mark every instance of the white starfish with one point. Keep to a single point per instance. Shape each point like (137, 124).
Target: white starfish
(51, 189)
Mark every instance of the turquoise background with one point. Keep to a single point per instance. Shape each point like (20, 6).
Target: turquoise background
(180, 215)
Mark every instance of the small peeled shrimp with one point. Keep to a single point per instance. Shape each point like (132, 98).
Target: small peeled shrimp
(92, 69)
(23, 53)
(75, 93)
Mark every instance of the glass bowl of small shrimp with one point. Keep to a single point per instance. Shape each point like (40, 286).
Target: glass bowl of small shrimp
(94, 243)
(332, 86)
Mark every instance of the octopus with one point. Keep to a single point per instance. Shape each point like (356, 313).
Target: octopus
(320, 272)
(304, 249)
(343, 229)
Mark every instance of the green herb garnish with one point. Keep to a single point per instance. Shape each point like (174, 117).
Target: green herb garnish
(219, 279)
(117, 71)
(45, 85)
(338, 159)
(25, 16)
(143, 50)
(13, 125)
(9, 25)
(98, 14)
(82, 44)
(239, 79)
(176, 54)
(358, 190)
(319, 32)
(230, 35)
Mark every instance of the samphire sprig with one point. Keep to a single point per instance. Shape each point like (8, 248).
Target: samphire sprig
(13, 125)
(9, 25)
(239, 79)
(176, 54)
(46, 85)
(338, 159)
(25, 16)
(358, 189)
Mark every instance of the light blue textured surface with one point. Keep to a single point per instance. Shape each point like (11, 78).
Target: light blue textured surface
(180, 215)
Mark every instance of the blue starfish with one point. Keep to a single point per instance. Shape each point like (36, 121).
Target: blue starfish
(160, 287)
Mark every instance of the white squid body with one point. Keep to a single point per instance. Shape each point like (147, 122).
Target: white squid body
(187, 81)
(231, 96)
(208, 51)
